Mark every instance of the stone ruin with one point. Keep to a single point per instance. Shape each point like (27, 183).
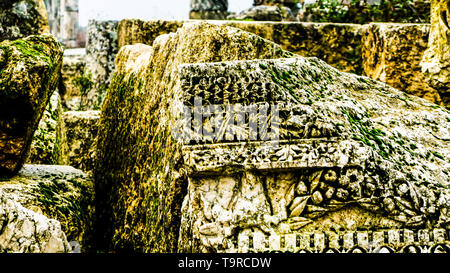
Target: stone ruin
(257, 145)
(388, 52)
(63, 20)
(208, 9)
(265, 10)
(42, 208)
(436, 60)
(337, 181)
(357, 165)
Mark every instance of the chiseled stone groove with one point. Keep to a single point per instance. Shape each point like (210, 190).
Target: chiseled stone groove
(393, 240)
(274, 155)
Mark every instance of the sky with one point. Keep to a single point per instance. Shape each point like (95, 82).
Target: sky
(143, 9)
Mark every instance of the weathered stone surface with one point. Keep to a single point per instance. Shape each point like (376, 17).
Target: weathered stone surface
(57, 192)
(29, 75)
(392, 53)
(63, 20)
(101, 50)
(49, 143)
(136, 31)
(199, 5)
(75, 83)
(274, 2)
(366, 11)
(208, 9)
(24, 231)
(265, 13)
(337, 44)
(139, 185)
(81, 132)
(291, 4)
(21, 18)
(349, 154)
(436, 60)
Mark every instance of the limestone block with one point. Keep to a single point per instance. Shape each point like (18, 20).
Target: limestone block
(337, 44)
(81, 132)
(350, 154)
(208, 9)
(49, 192)
(75, 83)
(265, 13)
(49, 142)
(199, 5)
(63, 20)
(135, 31)
(136, 156)
(267, 2)
(436, 60)
(342, 152)
(29, 75)
(21, 18)
(101, 50)
(392, 53)
(25, 231)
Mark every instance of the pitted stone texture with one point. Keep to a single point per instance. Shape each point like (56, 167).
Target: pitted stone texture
(265, 13)
(337, 44)
(137, 170)
(436, 60)
(57, 192)
(208, 9)
(200, 5)
(75, 83)
(49, 141)
(63, 20)
(272, 2)
(136, 31)
(29, 75)
(81, 132)
(291, 4)
(21, 18)
(388, 58)
(25, 231)
(345, 140)
(101, 50)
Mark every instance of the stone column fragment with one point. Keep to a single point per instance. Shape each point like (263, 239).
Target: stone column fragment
(208, 9)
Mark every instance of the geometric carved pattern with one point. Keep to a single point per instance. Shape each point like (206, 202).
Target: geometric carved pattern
(379, 241)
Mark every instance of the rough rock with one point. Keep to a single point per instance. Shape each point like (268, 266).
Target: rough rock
(366, 11)
(101, 50)
(341, 163)
(21, 18)
(24, 231)
(139, 193)
(57, 192)
(436, 60)
(265, 13)
(343, 153)
(49, 143)
(274, 2)
(208, 9)
(63, 20)
(337, 44)
(135, 31)
(81, 132)
(75, 83)
(291, 4)
(29, 75)
(387, 57)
